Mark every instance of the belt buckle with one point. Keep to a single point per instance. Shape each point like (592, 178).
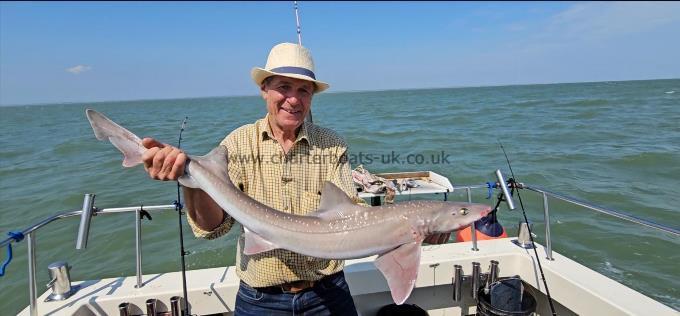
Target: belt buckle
(296, 287)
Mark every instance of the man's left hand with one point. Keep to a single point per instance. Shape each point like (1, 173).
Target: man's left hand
(436, 239)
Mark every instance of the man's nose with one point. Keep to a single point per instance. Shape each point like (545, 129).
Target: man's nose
(294, 99)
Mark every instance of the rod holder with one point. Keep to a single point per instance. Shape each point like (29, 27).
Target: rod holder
(457, 283)
(176, 306)
(476, 279)
(493, 273)
(504, 188)
(85, 218)
(151, 307)
(124, 309)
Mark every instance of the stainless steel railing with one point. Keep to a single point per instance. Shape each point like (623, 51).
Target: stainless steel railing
(605, 210)
(31, 230)
(546, 212)
(30, 233)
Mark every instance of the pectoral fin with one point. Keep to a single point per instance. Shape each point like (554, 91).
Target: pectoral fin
(400, 268)
(188, 181)
(255, 244)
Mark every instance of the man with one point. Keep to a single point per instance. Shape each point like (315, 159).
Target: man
(283, 162)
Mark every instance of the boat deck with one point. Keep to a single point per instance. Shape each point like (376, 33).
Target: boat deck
(575, 289)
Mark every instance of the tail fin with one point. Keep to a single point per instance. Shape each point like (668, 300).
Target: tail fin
(129, 144)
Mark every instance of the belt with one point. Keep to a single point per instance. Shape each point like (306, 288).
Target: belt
(293, 287)
(288, 288)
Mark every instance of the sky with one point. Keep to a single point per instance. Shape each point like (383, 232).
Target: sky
(85, 52)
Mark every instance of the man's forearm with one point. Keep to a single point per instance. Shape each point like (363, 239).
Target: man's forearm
(205, 213)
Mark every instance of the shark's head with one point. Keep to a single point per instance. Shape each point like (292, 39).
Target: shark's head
(456, 215)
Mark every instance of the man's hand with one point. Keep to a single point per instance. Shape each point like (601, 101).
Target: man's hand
(436, 239)
(165, 162)
(162, 161)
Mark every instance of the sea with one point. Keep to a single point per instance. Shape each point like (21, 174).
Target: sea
(614, 144)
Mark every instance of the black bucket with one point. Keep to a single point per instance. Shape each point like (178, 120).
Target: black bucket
(506, 297)
(402, 310)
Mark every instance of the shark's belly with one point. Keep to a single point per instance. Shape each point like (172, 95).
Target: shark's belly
(347, 244)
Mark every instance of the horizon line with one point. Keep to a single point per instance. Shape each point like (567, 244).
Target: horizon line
(331, 92)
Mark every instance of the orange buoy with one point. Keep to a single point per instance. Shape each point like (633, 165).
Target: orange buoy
(488, 227)
(466, 235)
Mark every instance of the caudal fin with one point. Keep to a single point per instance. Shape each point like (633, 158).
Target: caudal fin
(129, 144)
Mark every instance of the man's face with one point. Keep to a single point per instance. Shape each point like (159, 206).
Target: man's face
(288, 101)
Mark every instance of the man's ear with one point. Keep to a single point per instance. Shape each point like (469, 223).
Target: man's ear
(263, 91)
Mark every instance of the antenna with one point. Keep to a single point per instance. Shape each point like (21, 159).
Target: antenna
(299, 34)
(297, 22)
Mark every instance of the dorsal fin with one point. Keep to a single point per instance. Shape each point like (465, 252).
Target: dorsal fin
(333, 197)
(334, 203)
(255, 244)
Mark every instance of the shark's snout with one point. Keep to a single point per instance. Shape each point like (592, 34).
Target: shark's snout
(486, 212)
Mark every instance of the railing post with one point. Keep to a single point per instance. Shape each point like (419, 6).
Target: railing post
(138, 244)
(32, 286)
(473, 229)
(546, 219)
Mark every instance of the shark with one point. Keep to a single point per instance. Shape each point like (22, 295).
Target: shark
(338, 229)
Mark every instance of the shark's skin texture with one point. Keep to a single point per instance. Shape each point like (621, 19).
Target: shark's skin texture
(339, 229)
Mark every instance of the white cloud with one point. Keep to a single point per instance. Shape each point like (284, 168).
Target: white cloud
(593, 41)
(597, 20)
(584, 28)
(78, 69)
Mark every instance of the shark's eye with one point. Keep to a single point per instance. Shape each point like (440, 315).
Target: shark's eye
(463, 211)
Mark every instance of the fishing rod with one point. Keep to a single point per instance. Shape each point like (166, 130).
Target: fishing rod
(178, 208)
(513, 184)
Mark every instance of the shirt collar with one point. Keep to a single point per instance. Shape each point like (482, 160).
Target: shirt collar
(266, 130)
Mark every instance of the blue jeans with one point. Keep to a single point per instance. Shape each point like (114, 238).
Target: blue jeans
(329, 296)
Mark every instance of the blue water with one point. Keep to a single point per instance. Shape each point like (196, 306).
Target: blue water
(616, 144)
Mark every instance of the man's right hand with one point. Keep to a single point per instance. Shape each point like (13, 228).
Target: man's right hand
(165, 162)
(162, 161)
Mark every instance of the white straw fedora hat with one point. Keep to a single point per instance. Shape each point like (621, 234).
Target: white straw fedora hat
(288, 60)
